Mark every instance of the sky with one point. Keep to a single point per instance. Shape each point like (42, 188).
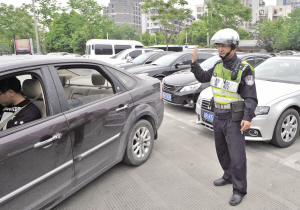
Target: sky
(192, 3)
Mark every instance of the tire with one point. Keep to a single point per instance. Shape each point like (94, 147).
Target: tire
(138, 149)
(286, 129)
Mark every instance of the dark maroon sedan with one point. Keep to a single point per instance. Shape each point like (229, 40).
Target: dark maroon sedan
(93, 115)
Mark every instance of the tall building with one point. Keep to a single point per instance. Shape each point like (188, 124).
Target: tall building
(125, 11)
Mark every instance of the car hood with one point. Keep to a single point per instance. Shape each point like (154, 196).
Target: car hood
(181, 79)
(127, 65)
(268, 91)
(145, 68)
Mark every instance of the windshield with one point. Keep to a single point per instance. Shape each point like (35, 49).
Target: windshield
(141, 59)
(210, 62)
(122, 54)
(166, 60)
(284, 70)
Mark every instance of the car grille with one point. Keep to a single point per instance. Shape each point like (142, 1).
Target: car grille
(171, 88)
(205, 104)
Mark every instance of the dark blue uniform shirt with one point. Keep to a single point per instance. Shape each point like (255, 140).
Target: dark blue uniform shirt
(247, 92)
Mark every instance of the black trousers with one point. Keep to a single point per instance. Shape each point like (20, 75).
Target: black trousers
(231, 151)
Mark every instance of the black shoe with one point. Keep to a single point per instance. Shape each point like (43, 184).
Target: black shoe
(221, 182)
(235, 200)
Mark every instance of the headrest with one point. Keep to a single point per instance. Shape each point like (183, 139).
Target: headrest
(64, 78)
(98, 79)
(32, 88)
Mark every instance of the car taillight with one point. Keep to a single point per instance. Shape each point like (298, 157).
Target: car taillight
(160, 96)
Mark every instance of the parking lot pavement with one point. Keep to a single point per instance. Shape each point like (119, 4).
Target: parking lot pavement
(181, 170)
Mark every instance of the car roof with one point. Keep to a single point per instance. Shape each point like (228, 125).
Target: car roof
(12, 62)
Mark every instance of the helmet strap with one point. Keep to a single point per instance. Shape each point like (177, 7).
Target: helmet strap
(224, 57)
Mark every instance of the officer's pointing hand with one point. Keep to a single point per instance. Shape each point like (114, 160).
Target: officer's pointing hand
(194, 54)
(245, 125)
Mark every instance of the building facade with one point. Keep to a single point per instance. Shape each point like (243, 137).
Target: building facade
(294, 3)
(125, 11)
(273, 12)
(152, 27)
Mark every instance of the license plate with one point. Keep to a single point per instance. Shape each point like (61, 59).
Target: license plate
(167, 96)
(208, 116)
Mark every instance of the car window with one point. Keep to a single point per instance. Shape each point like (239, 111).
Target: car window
(135, 53)
(84, 85)
(148, 51)
(260, 60)
(139, 46)
(103, 49)
(27, 87)
(251, 61)
(181, 60)
(156, 57)
(119, 48)
(126, 80)
(187, 59)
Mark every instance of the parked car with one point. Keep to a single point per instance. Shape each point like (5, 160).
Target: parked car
(128, 55)
(94, 115)
(143, 59)
(183, 89)
(168, 64)
(102, 49)
(277, 114)
(288, 52)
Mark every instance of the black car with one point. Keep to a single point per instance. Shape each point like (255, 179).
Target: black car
(92, 116)
(143, 59)
(169, 64)
(183, 89)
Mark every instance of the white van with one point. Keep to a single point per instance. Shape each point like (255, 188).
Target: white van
(103, 49)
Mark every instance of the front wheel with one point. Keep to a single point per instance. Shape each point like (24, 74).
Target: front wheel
(287, 129)
(140, 143)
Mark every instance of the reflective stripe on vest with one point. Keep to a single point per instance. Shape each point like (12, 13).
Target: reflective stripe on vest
(224, 89)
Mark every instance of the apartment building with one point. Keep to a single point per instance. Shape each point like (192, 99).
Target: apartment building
(273, 12)
(125, 11)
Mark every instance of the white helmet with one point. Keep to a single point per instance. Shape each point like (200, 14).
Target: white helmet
(226, 36)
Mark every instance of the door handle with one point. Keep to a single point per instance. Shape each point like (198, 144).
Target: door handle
(122, 108)
(48, 142)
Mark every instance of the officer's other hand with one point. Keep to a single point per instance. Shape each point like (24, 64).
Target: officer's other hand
(194, 54)
(245, 125)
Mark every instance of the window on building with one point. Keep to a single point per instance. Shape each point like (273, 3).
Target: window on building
(261, 12)
(275, 11)
(280, 9)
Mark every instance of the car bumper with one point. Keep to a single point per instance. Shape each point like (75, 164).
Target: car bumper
(181, 99)
(259, 130)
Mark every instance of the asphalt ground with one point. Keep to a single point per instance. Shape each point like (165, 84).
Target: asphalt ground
(181, 170)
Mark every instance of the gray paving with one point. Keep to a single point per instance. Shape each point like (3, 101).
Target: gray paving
(181, 170)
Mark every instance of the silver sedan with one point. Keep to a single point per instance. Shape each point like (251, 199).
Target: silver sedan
(277, 114)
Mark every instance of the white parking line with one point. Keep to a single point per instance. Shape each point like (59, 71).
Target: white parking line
(289, 161)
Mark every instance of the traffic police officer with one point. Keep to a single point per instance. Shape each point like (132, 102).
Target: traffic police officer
(231, 80)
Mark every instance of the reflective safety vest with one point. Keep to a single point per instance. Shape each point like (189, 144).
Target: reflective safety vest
(224, 89)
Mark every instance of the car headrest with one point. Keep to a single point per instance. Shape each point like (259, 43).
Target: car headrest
(64, 78)
(98, 79)
(32, 88)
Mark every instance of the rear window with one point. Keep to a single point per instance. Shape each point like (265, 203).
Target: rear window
(103, 49)
(119, 48)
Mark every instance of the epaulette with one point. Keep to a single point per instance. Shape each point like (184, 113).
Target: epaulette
(219, 61)
(243, 67)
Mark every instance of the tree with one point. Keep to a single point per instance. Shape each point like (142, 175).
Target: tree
(226, 14)
(62, 30)
(90, 12)
(244, 35)
(125, 32)
(15, 23)
(167, 15)
(269, 33)
(292, 35)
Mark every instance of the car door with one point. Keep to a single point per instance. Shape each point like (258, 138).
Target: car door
(36, 161)
(96, 117)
